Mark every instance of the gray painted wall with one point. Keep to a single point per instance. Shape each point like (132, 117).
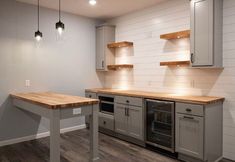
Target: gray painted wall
(66, 66)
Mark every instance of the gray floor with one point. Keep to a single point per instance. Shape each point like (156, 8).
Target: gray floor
(75, 148)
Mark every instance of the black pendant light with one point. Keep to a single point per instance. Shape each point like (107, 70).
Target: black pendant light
(59, 25)
(38, 34)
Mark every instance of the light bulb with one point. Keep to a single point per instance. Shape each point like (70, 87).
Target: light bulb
(92, 2)
(38, 38)
(60, 30)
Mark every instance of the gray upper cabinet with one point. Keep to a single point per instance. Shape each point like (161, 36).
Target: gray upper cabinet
(104, 56)
(189, 135)
(206, 33)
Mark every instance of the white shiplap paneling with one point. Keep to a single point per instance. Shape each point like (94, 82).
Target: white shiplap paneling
(143, 28)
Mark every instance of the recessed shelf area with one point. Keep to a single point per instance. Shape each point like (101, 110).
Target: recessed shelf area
(175, 63)
(120, 66)
(176, 35)
(120, 44)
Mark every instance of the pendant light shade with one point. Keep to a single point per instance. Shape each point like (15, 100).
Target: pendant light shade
(60, 25)
(38, 34)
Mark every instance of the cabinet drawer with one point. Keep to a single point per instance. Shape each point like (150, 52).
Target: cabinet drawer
(129, 100)
(106, 122)
(91, 95)
(191, 109)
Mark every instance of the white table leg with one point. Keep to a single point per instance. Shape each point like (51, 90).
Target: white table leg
(55, 136)
(94, 155)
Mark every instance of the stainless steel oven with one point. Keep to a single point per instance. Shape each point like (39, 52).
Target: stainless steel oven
(160, 124)
(106, 104)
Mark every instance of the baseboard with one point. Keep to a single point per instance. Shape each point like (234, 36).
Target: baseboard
(40, 135)
(218, 160)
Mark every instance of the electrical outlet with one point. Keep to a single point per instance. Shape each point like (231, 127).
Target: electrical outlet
(27, 83)
(77, 111)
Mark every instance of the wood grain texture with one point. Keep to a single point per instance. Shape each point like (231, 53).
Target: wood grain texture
(204, 100)
(176, 35)
(54, 100)
(120, 66)
(175, 63)
(75, 148)
(120, 44)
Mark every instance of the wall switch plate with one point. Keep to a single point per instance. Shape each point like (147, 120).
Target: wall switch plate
(27, 83)
(77, 111)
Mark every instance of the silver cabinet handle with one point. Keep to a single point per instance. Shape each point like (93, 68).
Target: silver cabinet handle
(125, 111)
(128, 112)
(188, 110)
(192, 58)
(102, 63)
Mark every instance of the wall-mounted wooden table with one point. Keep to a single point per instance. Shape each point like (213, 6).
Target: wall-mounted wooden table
(56, 107)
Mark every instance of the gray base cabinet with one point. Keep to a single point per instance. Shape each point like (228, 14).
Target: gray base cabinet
(129, 120)
(189, 135)
(199, 132)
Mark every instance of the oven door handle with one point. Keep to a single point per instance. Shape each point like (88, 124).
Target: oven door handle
(189, 117)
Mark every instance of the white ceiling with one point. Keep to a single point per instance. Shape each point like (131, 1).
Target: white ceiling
(104, 9)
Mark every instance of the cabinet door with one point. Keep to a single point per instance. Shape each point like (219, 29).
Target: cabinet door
(202, 33)
(100, 49)
(189, 135)
(120, 116)
(135, 122)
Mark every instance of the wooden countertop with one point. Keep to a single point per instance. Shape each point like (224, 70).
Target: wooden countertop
(54, 100)
(203, 100)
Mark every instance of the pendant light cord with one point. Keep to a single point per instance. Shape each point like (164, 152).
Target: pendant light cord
(38, 14)
(59, 10)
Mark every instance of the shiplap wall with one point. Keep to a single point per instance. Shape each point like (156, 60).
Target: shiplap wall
(144, 28)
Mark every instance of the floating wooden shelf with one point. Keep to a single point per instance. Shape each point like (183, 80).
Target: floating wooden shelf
(175, 63)
(115, 67)
(176, 35)
(120, 44)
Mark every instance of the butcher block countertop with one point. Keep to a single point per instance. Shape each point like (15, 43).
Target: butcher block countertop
(203, 100)
(54, 100)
